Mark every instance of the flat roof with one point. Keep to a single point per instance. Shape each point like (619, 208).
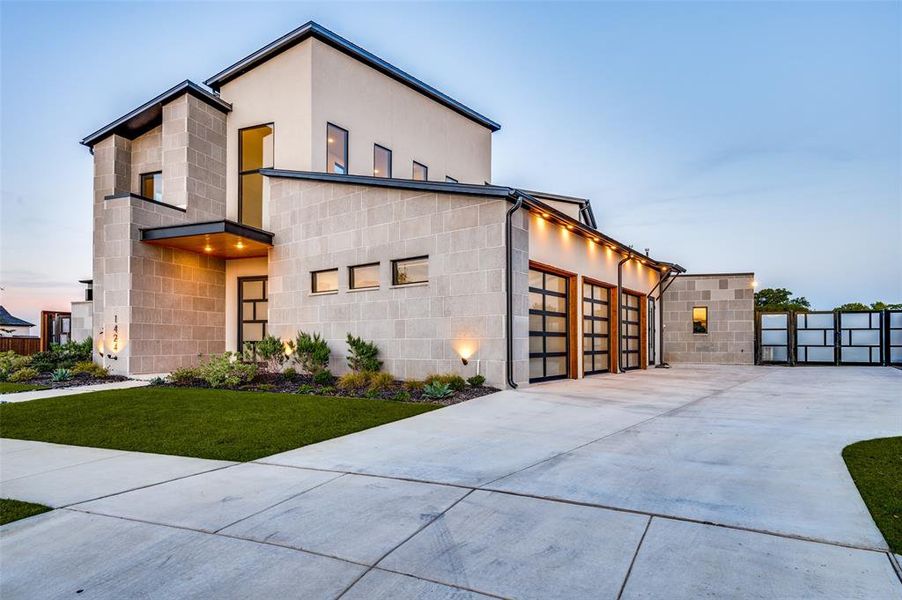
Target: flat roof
(150, 114)
(317, 31)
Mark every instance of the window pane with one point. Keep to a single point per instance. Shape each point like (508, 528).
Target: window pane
(535, 322)
(247, 311)
(555, 304)
(381, 161)
(256, 148)
(262, 311)
(555, 284)
(411, 270)
(252, 199)
(252, 290)
(556, 324)
(420, 172)
(325, 281)
(535, 344)
(536, 368)
(252, 332)
(555, 344)
(337, 149)
(535, 279)
(699, 319)
(535, 301)
(365, 276)
(555, 365)
(152, 186)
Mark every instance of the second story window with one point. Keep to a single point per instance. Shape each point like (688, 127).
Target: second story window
(255, 152)
(336, 149)
(381, 161)
(324, 281)
(152, 186)
(420, 171)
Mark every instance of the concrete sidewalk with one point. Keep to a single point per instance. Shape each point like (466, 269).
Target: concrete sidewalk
(718, 482)
(72, 391)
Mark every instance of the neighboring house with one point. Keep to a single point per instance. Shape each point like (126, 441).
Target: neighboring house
(11, 326)
(83, 313)
(319, 188)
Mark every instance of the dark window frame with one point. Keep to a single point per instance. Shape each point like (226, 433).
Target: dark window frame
(626, 312)
(692, 316)
(394, 270)
(242, 173)
(347, 148)
(241, 320)
(413, 169)
(313, 275)
(544, 333)
(352, 286)
(449, 179)
(592, 353)
(376, 147)
(150, 174)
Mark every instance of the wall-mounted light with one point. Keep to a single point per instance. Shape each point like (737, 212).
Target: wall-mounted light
(240, 245)
(754, 283)
(465, 350)
(208, 248)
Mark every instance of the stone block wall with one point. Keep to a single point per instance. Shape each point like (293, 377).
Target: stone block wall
(146, 157)
(420, 329)
(82, 320)
(730, 299)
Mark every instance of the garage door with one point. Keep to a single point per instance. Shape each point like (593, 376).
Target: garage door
(596, 322)
(548, 326)
(629, 336)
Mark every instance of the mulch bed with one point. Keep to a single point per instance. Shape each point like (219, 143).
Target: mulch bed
(303, 384)
(78, 379)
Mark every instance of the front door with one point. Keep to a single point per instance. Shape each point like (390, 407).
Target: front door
(629, 334)
(253, 310)
(548, 326)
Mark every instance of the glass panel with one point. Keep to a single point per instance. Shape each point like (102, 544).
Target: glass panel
(823, 321)
(247, 311)
(587, 309)
(555, 304)
(601, 344)
(535, 301)
(632, 301)
(152, 186)
(875, 320)
(256, 148)
(773, 337)
(601, 310)
(252, 332)
(587, 343)
(262, 311)
(365, 276)
(601, 326)
(381, 161)
(587, 326)
(337, 149)
(773, 321)
(535, 344)
(325, 281)
(601, 362)
(813, 338)
(774, 354)
(555, 365)
(252, 199)
(420, 172)
(587, 290)
(868, 337)
(555, 344)
(556, 324)
(820, 354)
(699, 319)
(895, 337)
(535, 279)
(252, 290)
(852, 354)
(414, 270)
(535, 322)
(862, 320)
(554, 283)
(895, 319)
(895, 355)
(536, 368)
(632, 330)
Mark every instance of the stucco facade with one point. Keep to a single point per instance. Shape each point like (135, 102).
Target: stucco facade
(729, 300)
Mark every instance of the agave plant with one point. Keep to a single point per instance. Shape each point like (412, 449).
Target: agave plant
(61, 375)
(437, 390)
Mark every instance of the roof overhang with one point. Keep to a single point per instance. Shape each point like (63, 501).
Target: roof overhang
(317, 31)
(221, 239)
(150, 114)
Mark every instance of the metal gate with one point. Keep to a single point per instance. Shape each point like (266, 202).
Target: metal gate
(894, 337)
(815, 338)
(773, 338)
(859, 338)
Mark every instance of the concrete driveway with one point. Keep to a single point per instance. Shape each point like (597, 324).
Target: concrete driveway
(704, 481)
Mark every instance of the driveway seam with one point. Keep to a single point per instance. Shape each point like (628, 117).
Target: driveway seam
(633, 561)
(895, 564)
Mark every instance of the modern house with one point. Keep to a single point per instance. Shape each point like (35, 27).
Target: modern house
(313, 186)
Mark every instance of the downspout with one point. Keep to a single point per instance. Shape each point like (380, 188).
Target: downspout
(662, 364)
(508, 238)
(620, 308)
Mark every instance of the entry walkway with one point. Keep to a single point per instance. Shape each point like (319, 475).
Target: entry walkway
(72, 391)
(690, 482)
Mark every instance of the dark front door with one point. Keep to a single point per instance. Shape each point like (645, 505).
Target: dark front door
(253, 310)
(548, 326)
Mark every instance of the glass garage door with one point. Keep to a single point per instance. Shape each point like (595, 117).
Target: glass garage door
(596, 320)
(629, 337)
(894, 337)
(773, 343)
(815, 338)
(859, 338)
(548, 321)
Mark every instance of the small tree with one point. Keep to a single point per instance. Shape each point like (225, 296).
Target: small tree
(269, 352)
(780, 300)
(363, 356)
(311, 353)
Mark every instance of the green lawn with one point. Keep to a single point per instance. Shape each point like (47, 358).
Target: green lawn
(876, 467)
(10, 388)
(204, 423)
(13, 510)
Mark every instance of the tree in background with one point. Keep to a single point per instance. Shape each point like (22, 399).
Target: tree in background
(874, 306)
(780, 300)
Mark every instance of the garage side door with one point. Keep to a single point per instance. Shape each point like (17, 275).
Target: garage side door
(548, 326)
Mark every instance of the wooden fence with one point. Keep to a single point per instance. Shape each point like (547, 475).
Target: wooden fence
(21, 345)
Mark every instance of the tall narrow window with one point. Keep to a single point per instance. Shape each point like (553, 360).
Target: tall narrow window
(700, 319)
(253, 308)
(336, 149)
(255, 152)
(381, 161)
(420, 171)
(152, 186)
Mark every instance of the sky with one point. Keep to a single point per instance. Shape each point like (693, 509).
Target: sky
(725, 136)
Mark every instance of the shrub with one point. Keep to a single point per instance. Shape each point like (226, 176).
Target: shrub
(225, 371)
(363, 355)
(306, 389)
(324, 378)
(61, 375)
(414, 385)
(23, 374)
(11, 362)
(311, 352)
(269, 351)
(452, 380)
(91, 368)
(327, 391)
(437, 390)
(290, 374)
(184, 375)
(402, 396)
(157, 381)
(353, 380)
(380, 381)
(63, 356)
(476, 380)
